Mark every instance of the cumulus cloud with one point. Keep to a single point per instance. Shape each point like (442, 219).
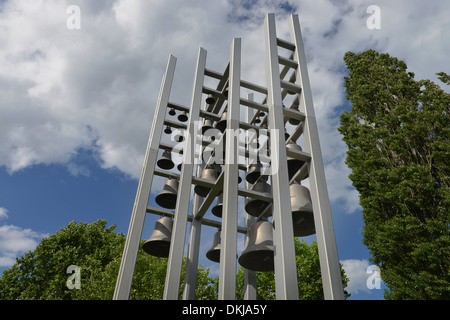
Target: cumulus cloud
(15, 241)
(95, 88)
(356, 271)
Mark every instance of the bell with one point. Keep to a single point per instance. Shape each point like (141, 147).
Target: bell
(209, 174)
(166, 162)
(207, 124)
(179, 136)
(168, 197)
(293, 121)
(293, 164)
(211, 99)
(159, 243)
(217, 209)
(222, 124)
(258, 119)
(168, 130)
(213, 254)
(254, 172)
(302, 213)
(172, 112)
(259, 254)
(183, 116)
(255, 207)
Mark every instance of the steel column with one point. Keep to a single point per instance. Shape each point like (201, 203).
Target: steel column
(227, 275)
(172, 285)
(329, 261)
(283, 235)
(128, 262)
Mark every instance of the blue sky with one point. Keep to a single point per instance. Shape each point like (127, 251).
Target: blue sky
(76, 105)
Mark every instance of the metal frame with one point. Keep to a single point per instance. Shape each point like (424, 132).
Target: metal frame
(227, 182)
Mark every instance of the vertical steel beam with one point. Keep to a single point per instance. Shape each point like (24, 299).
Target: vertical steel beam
(329, 261)
(227, 275)
(285, 263)
(190, 278)
(249, 275)
(172, 285)
(128, 262)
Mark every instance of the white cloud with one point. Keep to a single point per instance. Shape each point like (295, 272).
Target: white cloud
(96, 88)
(15, 241)
(359, 275)
(3, 213)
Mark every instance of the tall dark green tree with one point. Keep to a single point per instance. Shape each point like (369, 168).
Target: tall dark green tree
(398, 138)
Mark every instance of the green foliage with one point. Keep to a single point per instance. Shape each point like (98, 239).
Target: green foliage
(97, 251)
(398, 136)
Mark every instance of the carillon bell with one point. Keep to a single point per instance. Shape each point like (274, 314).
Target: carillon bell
(183, 116)
(207, 124)
(166, 162)
(172, 112)
(179, 136)
(168, 197)
(168, 130)
(222, 124)
(293, 164)
(254, 172)
(213, 254)
(211, 99)
(209, 174)
(259, 254)
(159, 243)
(293, 121)
(255, 207)
(217, 209)
(302, 211)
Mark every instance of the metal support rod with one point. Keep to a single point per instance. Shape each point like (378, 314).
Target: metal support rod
(228, 252)
(128, 262)
(249, 275)
(171, 288)
(329, 261)
(283, 235)
(190, 278)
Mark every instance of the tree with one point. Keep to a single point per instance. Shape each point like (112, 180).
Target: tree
(308, 276)
(97, 251)
(398, 138)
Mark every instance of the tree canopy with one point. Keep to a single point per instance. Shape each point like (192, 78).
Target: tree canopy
(398, 138)
(97, 250)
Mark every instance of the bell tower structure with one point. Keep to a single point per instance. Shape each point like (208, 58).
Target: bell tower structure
(216, 146)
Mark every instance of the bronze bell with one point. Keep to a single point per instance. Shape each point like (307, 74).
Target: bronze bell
(293, 164)
(207, 124)
(168, 197)
(254, 172)
(172, 112)
(255, 207)
(211, 99)
(217, 209)
(168, 130)
(213, 254)
(293, 121)
(222, 124)
(179, 136)
(183, 116)
(209, 174)
(166, 162)
(159, 243)
(302, 212)
(259, 254)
